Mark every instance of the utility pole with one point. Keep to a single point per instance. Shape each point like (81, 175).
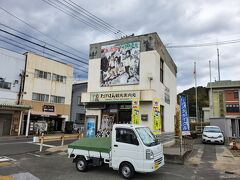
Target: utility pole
(211, 93)
(195, 78)
(218, 65)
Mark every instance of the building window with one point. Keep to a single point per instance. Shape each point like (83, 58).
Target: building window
(79, 101)
(162, 117)
(42, 74)
(5, 85)
(59, 78)
(80, 118)
(232, 108)
(236, 95)
(161, 70)
(57, 99)
(40, 97)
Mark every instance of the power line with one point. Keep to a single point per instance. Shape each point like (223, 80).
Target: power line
(9, 41)
(29, 25)
(37, 44)
(20, 47)
(41, 41)
(205, 44)
(76, 17)
(100, 20)
(104, 28)
(93, 18)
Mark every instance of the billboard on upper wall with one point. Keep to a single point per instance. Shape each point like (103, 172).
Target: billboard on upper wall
(120, 64)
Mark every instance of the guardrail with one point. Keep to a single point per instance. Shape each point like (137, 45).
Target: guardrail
(43, 138)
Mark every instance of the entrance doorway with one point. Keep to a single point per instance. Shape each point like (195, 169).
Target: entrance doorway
(124, 117)
(5, 124)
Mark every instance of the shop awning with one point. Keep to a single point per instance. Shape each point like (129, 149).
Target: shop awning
(15, 107)
(41, 113)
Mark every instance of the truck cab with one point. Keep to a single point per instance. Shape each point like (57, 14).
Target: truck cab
(136, 145)
(130, 149)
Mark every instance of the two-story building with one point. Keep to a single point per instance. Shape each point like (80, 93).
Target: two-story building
(132, 67)
(47, 89)
(224, 105)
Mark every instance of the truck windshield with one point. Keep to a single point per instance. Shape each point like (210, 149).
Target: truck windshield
(147, 136)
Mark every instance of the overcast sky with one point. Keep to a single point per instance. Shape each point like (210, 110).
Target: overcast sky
(178, 22)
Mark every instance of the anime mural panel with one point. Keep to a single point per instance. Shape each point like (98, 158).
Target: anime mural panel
(120, 64)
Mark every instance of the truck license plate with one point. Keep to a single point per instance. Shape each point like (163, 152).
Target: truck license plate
(156, 165)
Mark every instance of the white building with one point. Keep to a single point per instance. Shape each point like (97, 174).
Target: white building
(132, 67)
(12, 66)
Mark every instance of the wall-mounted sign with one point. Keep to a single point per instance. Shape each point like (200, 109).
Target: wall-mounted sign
(120, 64)
(135, 111)
(48, 108)
(114, 96)
(144, 117)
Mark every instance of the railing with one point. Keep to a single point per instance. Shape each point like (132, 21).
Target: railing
(184, 143)
(199, 129)
(165, 137)
(45, 138)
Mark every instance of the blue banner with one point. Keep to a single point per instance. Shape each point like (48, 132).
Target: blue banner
(184, 116)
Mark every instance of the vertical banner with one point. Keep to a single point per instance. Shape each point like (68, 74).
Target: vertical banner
(184, 116)
(156, 116)
(135, 111)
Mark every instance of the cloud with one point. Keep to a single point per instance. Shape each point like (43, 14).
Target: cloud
(176, 22)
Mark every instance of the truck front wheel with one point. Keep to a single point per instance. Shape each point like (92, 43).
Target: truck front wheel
(81, 164)
(127, 171)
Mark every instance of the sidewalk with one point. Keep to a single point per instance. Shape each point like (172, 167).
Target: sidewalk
(174, 155)
(226, 162)
(5, 138)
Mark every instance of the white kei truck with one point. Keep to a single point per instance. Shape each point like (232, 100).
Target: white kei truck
(130, 149)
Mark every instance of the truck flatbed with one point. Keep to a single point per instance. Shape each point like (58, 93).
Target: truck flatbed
(98, 144)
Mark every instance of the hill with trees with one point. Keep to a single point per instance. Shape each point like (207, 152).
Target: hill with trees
(203, 100)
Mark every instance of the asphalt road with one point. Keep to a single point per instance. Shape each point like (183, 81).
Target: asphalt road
(23, 146)
(57, 166)
(61, 168)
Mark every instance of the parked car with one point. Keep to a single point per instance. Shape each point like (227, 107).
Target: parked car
(212, 134)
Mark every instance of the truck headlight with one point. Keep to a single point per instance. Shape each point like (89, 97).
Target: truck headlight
(220, 136)
(149, 154)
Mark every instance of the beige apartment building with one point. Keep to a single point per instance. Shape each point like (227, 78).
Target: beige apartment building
(47, 89)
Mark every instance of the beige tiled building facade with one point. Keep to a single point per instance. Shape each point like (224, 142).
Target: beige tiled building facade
(47, 89)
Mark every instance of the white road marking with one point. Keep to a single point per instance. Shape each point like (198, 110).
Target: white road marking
(21, 176)
(46, 145)
(6, 159)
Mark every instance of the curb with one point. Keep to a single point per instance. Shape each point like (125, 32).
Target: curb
(176, 159)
